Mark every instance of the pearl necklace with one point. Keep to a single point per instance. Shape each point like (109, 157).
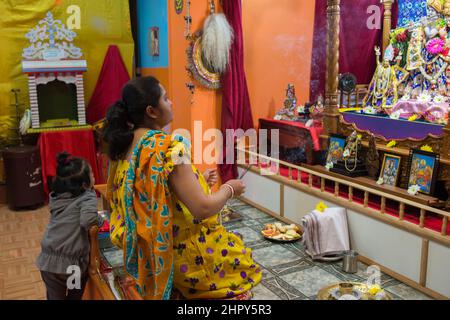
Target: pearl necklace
(355, 161)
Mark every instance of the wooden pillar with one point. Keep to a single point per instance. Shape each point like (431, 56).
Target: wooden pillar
(336, 189)
(422, 218)
(424, 262)
(387, 22)
(402, 211)
(331, 114)
(445, 151)
(444, 226)
(366, 199)
(282, 200)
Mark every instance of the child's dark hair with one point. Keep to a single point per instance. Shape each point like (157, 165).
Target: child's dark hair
(72, 175)
(127, 114)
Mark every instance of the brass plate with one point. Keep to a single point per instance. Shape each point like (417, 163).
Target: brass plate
(325, 293)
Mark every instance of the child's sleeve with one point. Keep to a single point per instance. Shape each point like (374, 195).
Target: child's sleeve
(88, 214)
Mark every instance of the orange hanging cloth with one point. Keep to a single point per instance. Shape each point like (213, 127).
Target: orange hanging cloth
(113, 77)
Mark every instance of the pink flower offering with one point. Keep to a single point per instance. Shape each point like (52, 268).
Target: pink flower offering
(435, 46)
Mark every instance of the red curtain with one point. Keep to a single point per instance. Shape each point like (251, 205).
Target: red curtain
(113, 77)
(78, 143)
(357, 42)
(236, 110)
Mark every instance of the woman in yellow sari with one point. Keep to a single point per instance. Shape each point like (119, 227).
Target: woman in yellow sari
(163, 213)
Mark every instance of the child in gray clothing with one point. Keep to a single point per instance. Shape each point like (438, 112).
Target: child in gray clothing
(64, 258)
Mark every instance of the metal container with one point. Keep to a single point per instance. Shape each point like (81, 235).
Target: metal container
(23, 177)
(350, 262)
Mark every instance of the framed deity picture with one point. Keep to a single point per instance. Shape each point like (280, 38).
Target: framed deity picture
(336, 147)
(423, 169)
(390, 169)
(154, 41)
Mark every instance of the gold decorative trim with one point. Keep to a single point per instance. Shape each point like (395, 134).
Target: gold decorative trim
(41, 130)
(197, 68)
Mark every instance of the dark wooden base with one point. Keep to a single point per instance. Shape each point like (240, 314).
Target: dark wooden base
(360, 169)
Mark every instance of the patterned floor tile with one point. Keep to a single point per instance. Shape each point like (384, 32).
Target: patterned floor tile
(273, 256)
(267, 219)
(237, 203)
(259, 244)
(253, 223)
(230, 226)
(260, 292)
(267, 273)
(291, 267)
(283, 289)
(407, 293)
(252, 213)
(310, 281)
(248, 234)
(295, 248)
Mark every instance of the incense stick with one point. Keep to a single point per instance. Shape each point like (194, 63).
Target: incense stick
(245, 172)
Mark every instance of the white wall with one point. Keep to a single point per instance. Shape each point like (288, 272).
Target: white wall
(262, 191)
(298, 204)
(393, 248)
(438, 275)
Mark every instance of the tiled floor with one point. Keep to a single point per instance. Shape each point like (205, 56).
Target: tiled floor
(289, 274)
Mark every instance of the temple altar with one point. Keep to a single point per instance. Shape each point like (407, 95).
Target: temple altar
(412, 81)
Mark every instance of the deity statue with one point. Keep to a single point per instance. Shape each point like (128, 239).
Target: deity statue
(383, 89)
(290, 104)
(427, 59)
(413, 80)
(291, 100)
(440, 6)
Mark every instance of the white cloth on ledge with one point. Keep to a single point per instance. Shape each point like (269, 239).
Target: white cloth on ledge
(326, 233)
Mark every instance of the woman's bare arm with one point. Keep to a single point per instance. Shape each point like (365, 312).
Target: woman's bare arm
(189, 191)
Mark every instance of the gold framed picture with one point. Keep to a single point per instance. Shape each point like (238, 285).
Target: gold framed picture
(423, 170)
(390, 169)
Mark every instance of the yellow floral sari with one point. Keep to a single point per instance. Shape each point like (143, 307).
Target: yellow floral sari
(164, 245)
(141, 213)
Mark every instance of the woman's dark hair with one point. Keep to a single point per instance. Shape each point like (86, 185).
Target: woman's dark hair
(127, 114)
(72, 175)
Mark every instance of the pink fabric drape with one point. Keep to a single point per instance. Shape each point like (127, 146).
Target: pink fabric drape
(357, 42)
(108, 89)
(236, 110)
